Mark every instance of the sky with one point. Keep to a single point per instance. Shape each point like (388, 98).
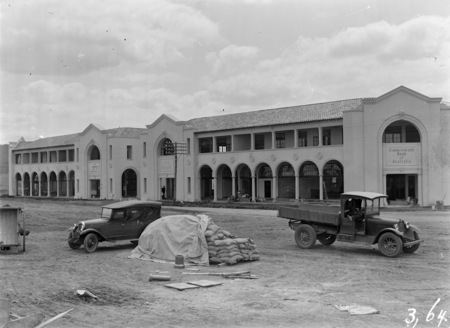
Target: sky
(67, 64)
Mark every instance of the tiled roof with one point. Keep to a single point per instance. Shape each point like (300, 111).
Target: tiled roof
(68, 139)
(286, 115)
(124, 132)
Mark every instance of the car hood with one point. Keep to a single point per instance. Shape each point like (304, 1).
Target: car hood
(94, 223)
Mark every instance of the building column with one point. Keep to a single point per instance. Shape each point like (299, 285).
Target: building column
(48, 186)
(214, 150)
(297, 188)
(252, 141)
(419, 194)
(274, 188)
(67, 186)
(320, 137)
(39, 187)
(57, 186)
(321, 187)
(214, 183)
(253, 188)
(233, 185)
(273, 139)
(295, 138)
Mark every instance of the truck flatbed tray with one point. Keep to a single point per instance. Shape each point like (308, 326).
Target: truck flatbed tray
(311, 213)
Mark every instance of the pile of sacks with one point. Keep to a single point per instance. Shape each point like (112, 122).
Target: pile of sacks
(223, 247)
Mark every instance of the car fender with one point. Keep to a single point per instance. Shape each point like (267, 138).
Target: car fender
(398, 233)
(87, 231)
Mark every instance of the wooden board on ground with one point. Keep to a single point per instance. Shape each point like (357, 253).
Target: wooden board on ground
(204, 283)
(181, 286)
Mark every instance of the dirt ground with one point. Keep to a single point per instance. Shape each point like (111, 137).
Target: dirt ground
(295, 288)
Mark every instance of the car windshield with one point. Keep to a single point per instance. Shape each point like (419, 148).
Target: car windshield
(372, 205)
(106, 213)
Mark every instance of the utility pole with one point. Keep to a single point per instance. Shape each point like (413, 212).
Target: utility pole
(180, 148)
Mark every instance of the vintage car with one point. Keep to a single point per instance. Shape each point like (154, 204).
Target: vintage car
(119, 221)
(357, 220)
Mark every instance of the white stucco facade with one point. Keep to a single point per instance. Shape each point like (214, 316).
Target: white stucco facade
(393, 144)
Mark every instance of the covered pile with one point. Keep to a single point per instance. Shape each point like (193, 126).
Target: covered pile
(223, 247)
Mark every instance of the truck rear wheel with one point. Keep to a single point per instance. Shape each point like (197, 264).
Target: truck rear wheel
(305, 236)
(390, 244)
(326, 239)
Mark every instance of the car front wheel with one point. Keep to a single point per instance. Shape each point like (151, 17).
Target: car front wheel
(390, 244)
(413, 248)
(73, 245)
(91, 243)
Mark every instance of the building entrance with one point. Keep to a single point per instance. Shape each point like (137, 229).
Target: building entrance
(401, 188)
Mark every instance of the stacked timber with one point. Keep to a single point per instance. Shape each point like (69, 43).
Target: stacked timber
(223, 247)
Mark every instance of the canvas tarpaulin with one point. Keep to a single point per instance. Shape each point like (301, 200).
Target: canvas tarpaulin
(174, 235)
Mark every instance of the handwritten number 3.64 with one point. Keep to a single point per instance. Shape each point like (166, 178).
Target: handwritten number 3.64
(430, 316)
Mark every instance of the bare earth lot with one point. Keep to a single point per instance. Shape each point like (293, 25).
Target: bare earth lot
(296, 288)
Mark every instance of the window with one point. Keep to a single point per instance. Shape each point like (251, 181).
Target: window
(206, 145)
(78, 185)
(144, 149)
(18, 158)
(129, 152)
(52, 156)
(326, 136)
(44, 157)
(110, 185)
(303, 139)
(189, 185)
(110, 152)
(34, 157)
(259, 141)
(71, 155)
(145, 185)
(26, 158)
(62, 156)
(223, 145)
(280, 140)
(393, 134)
(78, 155)
(315, 141)
(167, 148)
(95, 153)
(188, 146)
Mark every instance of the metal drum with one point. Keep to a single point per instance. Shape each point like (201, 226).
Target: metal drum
(9, 227)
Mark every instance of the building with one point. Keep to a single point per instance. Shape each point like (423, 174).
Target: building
(392, 144)
(4, 188)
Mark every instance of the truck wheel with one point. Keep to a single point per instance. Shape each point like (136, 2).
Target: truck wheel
(326, 239)
(413, 248)
(390, 244)
(91, 243)
(305, 236)
(73, 245)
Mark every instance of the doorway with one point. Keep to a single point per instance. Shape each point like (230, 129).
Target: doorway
(401, 188)
(267, 189)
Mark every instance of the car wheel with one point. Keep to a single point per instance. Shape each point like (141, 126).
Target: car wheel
(91, 243)
(305, 236)
(390, 244)
(73, 245)
(413, 248)
(326, 239)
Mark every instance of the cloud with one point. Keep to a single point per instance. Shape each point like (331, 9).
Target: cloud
(52, 37)
(232, 59)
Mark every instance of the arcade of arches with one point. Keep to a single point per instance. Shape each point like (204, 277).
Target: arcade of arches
(263, 184)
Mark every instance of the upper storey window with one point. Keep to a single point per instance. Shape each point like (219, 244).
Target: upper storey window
(401, 132)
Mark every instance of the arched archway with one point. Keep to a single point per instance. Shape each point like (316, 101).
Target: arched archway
(206, 183)
(166, 168)
(286, 181)
(44, 184)
(62, 184)
(309, 181)
(129, 183)
(333, 180)
(53, 185)
(26, 184)
(19, 184)
(224, 182)
(35, 184)
(71, 183)
(94, 153)
(94, 171)
(401, 131)
(244, 181)
(264, 181)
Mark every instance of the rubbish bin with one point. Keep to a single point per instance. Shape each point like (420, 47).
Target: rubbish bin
(9, 226)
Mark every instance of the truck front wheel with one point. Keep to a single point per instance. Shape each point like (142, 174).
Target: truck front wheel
(305, 236)
(326, 239)
(390, 244)
(91, 243)
(413, 248)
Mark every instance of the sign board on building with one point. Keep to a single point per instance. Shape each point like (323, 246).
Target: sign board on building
(94, 170)
(166, 165)
(399, 155)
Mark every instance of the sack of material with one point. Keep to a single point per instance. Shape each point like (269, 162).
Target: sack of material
(174, 235)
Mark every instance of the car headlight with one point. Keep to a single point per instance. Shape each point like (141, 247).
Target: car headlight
(81, 225)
